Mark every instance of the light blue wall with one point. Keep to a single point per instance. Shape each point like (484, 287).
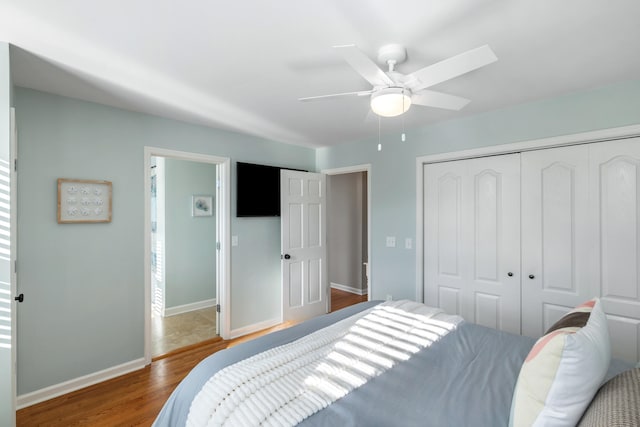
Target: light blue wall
(393, 186)
(85, 282)
(7, 414)
(190, 242)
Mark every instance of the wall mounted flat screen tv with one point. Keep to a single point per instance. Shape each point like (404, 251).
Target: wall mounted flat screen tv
(257, 190)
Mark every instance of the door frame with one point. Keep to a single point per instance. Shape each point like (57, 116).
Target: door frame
(13, 258)
(600, 135)
(223, 235)
(354, 169)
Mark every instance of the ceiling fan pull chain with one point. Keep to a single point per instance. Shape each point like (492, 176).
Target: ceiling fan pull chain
(403, 136)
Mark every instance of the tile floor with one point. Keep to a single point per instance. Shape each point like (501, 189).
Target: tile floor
(172, 332)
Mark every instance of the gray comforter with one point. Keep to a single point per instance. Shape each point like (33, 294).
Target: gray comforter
(465, 379)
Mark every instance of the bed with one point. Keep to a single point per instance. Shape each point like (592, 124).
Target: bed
(434, 370)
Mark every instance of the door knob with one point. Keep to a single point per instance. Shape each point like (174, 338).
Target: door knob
(531, 276)
(287, 256)
(19, 298)
(509, 274)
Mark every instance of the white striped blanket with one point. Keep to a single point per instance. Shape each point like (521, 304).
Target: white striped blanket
(284, 385)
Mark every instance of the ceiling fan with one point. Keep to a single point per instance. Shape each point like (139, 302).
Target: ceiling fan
(393, 93)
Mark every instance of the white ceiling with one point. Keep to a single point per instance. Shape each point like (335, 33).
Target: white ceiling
(242, 65)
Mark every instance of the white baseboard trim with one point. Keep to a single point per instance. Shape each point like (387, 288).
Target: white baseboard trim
(56, 390)
(185, 308)
(235, 333)
(350, 289)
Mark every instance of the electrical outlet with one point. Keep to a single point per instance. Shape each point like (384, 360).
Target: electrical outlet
(389, 297)
(234, 240)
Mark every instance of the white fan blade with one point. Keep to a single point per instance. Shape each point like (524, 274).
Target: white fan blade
(430, 98)
(337, 95)
(364, 65)
(452, 67)
(371, 117)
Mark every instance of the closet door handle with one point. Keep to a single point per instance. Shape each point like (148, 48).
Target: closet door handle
(531, 276)
(19, 298)
(287, 256)
(510, 274)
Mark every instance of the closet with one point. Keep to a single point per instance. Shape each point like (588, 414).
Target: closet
(515, 241)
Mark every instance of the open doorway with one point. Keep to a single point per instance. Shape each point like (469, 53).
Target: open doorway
(348, 235)
(183, 253)
(186, 240)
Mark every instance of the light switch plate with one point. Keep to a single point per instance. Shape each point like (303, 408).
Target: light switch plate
(391, 241)
(234, 240)
(408, 243)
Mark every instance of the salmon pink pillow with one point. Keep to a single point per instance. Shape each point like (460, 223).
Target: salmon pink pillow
(563, 370)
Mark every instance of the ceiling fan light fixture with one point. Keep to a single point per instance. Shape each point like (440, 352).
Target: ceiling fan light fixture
(391, 102)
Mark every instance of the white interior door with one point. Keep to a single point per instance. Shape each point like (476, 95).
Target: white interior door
(304, 249)
(614, 171)
(556, 235)
(472, 239)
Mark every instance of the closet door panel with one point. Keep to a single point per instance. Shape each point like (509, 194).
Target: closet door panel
(556, 236)
(487, 204)
(443, 236)
(624, 333)
(449, 299)
(558, 217)
(619, 227)
(491, 203)
(488, 310)
(472, 239)
(615, 192)
(449, 193)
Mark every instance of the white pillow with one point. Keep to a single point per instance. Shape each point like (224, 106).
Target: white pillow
(563, 371)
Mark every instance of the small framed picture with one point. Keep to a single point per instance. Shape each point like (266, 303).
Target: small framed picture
(83, 200)
(202, 205)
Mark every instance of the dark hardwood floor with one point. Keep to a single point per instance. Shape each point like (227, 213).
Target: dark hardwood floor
(341, 299)
(135, 399)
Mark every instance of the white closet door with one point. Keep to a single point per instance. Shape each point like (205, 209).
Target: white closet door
(556, 235)
(472, 239)
(615, 189)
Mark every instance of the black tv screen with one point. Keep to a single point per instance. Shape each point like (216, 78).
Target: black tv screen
(258, 190)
